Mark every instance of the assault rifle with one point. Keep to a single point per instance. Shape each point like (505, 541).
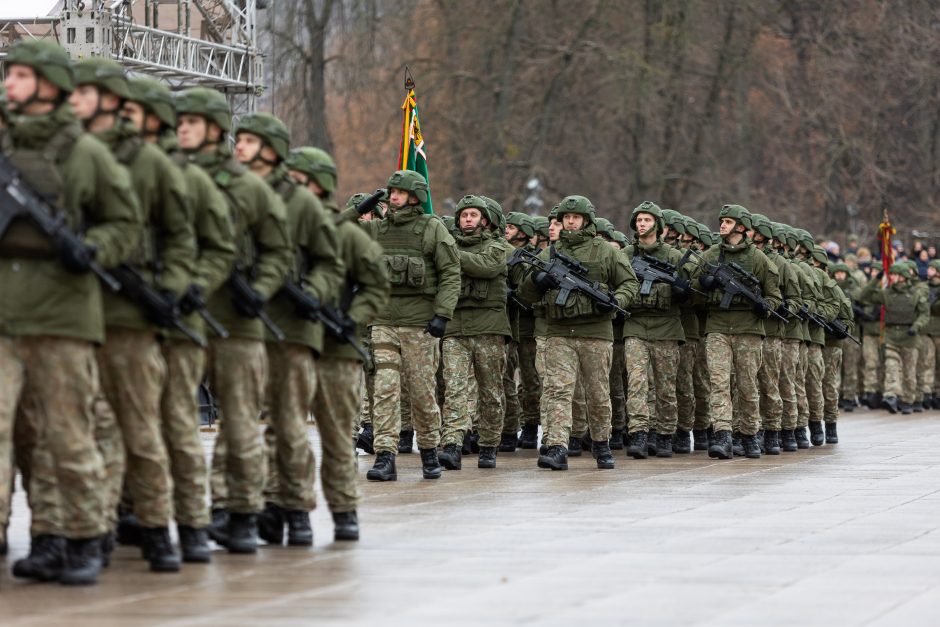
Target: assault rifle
(736, 281)
(369, 204)
(334, 321)
(836, 328)
(569, 275)
(17, 199)
(243, 292)
(160, 308)
(650, 270)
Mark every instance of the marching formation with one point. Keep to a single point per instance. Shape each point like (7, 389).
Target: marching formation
(145, 262)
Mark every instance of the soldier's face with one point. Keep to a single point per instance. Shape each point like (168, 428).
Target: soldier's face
(136, 113)
(572, 221)
(896, 278)
(554, 230)
(726, 226)
(511, 231)
(687, 241)
(248, 146)
(22, 83)
(397, 198)
(470, 220)
(84, 101)
(932, 272)
(645, 222)
(191, 131)
(839, 275)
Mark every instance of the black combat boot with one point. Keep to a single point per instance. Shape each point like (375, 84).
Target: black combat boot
(721, 447)
(129, 530)
(107, 548)
(816, 433)
(530, 436)
(737, 446)
(751, 447)
(45, 561)
(928, 401)
(82, 562)
(405, 439)
(466, 449)
(832, 435)
(194, 545)
(906, 409)
(384, 468)
(507, 443)
(271, 523)
(652, 444)
(242, 533)
(218, 528)
(681, 445)
(663, 445)
(158, 550)
(450, 457)
(366, 439)
(710, 436)
(487, 457)
(543, 448)
(936, 401)
(637, 446)
(616, 439)
(299, 531)
(891, 403)
(346, 526)
(700, 439)
(587, 444)
(788, 440)
(555, 458)
(430, 467)
(601, 452)
(771, 442)
(802, 441)
(474, 442)
(918, 406)
(574, 447)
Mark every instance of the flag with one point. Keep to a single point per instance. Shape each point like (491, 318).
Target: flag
(885, 232)
(411, 154)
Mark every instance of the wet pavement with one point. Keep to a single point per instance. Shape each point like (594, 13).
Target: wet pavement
(846, 534)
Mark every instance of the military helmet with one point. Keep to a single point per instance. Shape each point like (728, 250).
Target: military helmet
(620, 238)
(820, 255)
(411, 182)
(604, 227)
(495, 215)
(652, 209)
(898, 267)
(449, 222)
(270, 129)
(911, 266)
(469, 201)
(553, 214)
(737, 213)
(669, 216)
(103, 74)
(206, 102)
(839, 267)
(47, 58)
(579, 205)
(317, 164)
(779, 232)
(692, 228)
(155, 97)
(706, 236)
(521, 221)
(804, 239)
(762, 225)
(541, 226)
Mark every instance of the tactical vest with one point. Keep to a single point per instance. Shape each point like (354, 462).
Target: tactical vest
(900, 307)
(592, 258)
(660, 296)
(479, 293)
(745, 258)
(22, 238)
(246, 254)
(410, 271)
(146, 255)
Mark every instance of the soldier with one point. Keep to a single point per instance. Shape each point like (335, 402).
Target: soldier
(652, 336)
(933, 329)
(53, 315)
(733, 336)
(238, 364)
(362, 295)
(424, 270)
(832, 352)
(907, 314)
(151, 110)
(133, 371)
(851, 352)
(578, 335)
(519, 233)
(540, 241)
(475, 339)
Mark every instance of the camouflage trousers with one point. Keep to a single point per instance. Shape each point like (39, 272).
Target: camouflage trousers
(936, 352)
(531, 395)
(926, 357)
(685, 386)
(768, 383)
(186, 364)
(562, 361)
(238, 372)
(662, 357)
(512, 418)
(701, 378)
(405, 357)
(481, 358)
(579, 418)
(900, 372)
(56, 379)
(292, 385)
(741, 355)
(802, 404)
(335, 404)
(832, 382)
(789, 369)
(851, 356)
(873, 380)
(618, 400)
(815, 371)
(133, 374)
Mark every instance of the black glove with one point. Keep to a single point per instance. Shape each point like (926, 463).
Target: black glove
(782, 310)
(604, 307)
(681, 290)
(544, 281)
(77, 259)
(164, 314)
(436, 326)
(761, 310)
(912, 331)
(349, 326)
(250, 303)
(708, 282)
(192, 299)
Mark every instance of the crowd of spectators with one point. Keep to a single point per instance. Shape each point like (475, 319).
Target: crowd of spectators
(868, 260)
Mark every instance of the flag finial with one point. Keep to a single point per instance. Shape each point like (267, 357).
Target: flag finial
(409, 80)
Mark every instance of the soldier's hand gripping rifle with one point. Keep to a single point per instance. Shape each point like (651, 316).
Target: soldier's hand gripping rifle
(250, 303)
(736, 281)
(651, 270)
(159, 307)
(569, 276)
(336, 323)
(17, 199)
(369, 204)
(837, 329)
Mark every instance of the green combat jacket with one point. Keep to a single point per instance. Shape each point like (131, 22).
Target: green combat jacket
(59, 160)
(481, 308)
(656, 316)
(789, 283)
(933, 300)
(739, 318)
(906, 307)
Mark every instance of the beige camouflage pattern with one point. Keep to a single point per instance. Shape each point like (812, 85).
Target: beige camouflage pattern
(815, 371)
(579, 419)
(686, 386)
(874, 373)
(768, 382)
(562, 361)
(701, 378)
(802, 404)
(531, 395)
(336, 403)
(618, 400)
(926, 357)
(110, 443)
(900, 372)
(740, 354)
(480, 359)
(936, 352)
(851, 358)
(651, 366)
(513, 413)
(832, 382)
(789, 367)
(405, 357)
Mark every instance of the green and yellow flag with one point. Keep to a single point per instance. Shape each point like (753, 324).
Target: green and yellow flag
(411, 154)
